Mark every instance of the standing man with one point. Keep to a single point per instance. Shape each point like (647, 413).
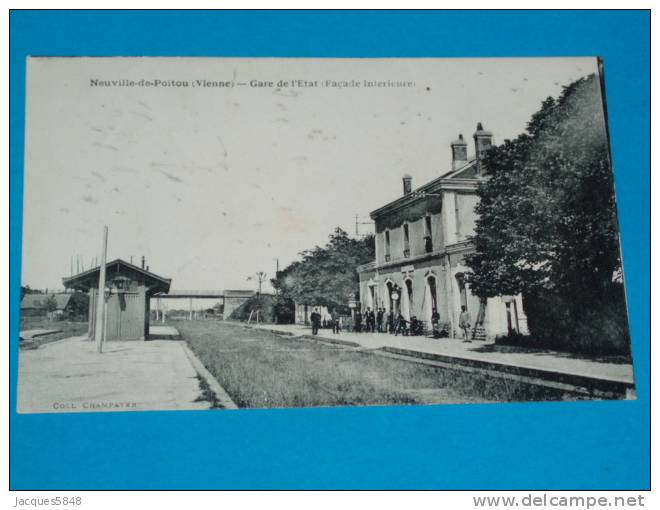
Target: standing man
(335, 321)
(401, 325)
(435, 319)
(358, 321)
(464, 321)
(371, 320)
(379, 319)
(316, 321)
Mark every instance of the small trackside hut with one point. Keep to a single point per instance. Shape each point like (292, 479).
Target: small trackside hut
(127, 293)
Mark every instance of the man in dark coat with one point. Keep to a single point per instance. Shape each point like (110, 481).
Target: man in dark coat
(401, 325)
(371, 321)
(358, 321)
(335, 322)
(435, 319)
(390, 322)
(316, 321)
(379, 319)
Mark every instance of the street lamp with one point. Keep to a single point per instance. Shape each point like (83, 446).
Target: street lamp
(118, 285)
(261, 277)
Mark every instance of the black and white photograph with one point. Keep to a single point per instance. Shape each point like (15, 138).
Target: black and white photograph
(228, 233)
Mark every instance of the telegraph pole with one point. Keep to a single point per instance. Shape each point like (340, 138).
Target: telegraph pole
(261, 277)
(100, 298)
(277, 272)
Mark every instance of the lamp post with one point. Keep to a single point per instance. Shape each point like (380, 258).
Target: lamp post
(261, 277)
(395, 299)
(352, 304)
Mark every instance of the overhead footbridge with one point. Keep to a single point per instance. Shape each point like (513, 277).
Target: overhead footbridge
(231, 299)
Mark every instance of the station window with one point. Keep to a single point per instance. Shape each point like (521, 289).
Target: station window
(387, 245)
(428, 235)
(406, 240)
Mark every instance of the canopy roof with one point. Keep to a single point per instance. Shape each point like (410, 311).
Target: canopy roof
(118, 268)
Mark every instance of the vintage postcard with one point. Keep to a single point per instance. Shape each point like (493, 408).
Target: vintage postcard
(222, 233)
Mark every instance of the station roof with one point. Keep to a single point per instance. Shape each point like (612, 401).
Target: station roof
(118, 267)
(465, 177)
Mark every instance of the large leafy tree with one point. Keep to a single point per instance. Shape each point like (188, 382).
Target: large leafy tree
(326, 275)
(547, 222)
(49, 304)
(78, 307)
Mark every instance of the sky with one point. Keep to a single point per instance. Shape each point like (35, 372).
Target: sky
(212, 184)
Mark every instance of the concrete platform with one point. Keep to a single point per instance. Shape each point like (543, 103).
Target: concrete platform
(549, 365)
(70, 376)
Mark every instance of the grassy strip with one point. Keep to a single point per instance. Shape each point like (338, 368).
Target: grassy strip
(260, 369)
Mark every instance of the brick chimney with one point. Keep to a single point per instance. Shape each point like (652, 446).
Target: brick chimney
(483, 140)
(458, 153)
(142, 261)
(407, 184)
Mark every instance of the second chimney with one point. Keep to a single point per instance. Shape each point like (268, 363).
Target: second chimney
(407, 184)
(458, 153)
(483, 140)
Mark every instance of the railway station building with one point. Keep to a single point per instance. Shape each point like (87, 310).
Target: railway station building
(422, 238)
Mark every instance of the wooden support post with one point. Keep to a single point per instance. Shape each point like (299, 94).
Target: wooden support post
(91, 313)
(99, 334)
(105, 322)
(190, 309)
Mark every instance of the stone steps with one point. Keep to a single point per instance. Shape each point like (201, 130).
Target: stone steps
(479, 333)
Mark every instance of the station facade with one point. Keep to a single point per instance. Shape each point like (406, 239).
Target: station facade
(422, 238)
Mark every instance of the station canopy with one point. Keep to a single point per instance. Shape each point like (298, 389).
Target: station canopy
(117, 270)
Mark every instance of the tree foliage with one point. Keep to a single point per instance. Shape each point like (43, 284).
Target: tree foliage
(49, 304)
(78, 308)
(546, 216)
(327, 275)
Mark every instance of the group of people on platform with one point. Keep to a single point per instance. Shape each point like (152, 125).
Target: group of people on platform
(380, 321)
